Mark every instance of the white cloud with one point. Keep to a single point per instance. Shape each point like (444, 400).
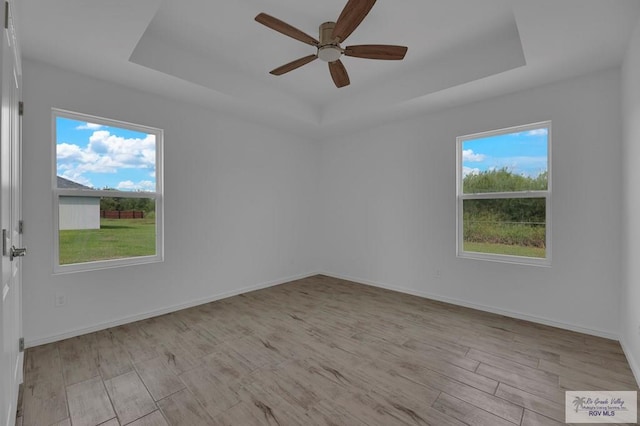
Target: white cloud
(534, 132)
(537, 132)
(106, 153)
(526, 165)
(143, 185)
(89, 126)
(469, 171)
(66, 151)
(78, 178)
(469, 155)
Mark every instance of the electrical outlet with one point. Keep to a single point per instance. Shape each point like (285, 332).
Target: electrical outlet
(437, 274)
(638, 329)
(60, 300)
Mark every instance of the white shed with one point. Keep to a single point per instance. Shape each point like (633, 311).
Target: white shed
(78, 212)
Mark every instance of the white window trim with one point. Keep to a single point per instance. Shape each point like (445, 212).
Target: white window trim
(522, 260)
(158, 196)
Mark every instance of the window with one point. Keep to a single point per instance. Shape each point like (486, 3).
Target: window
(504, 195)
(107, 192)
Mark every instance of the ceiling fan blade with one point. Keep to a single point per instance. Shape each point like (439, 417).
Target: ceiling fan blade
(352, 15)
(339, 74)
(293, 65)
(286, 29)
(376, 51)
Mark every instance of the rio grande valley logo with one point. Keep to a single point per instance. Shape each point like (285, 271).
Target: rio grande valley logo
(601, 407)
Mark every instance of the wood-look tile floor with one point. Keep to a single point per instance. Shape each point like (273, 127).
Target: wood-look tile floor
(318, 351)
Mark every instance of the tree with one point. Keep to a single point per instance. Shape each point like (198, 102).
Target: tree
(146, 205)
(519, 221)
(502, 180)
(505, 209)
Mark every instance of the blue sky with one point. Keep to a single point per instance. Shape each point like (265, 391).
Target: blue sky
(523, 153)
(105, 156)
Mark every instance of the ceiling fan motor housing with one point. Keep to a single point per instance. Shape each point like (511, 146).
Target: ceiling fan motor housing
(328, 50)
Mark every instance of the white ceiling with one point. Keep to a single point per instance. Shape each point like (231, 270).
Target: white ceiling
(214, 54)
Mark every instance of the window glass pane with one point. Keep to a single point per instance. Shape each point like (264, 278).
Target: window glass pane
(511, 226)
(94, 228)
(503, 163)
(96, 156)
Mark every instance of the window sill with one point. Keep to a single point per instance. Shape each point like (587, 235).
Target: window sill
(503, 258)
(105, 264)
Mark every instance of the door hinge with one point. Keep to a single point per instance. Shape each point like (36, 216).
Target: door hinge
(21, 344)
(6, 15)
(20, 108)
(21, 227)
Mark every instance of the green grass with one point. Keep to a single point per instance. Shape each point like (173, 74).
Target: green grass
(116, 239)
(508, 249)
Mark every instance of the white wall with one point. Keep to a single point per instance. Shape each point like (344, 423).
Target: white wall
(377, 206)
(630, 292)
(79, 213)
(389, 200)
(239, 208)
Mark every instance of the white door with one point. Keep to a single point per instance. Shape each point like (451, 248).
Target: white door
(10, 211)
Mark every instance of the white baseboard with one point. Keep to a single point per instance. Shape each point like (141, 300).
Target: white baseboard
(125, 320)
(480, 307)
(157, 312)
(633, 362)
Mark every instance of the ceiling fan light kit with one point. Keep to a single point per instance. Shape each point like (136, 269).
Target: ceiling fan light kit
(331, 35)
(329, 53)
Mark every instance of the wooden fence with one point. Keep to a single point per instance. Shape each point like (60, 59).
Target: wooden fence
(116, 214)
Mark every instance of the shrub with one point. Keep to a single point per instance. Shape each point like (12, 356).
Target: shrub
(489, 228)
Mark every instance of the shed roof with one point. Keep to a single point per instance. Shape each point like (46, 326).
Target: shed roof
(69, 184)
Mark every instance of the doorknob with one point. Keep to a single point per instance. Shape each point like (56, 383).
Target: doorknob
(16, 252)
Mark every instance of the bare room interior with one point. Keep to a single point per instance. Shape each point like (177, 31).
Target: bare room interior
(345, 212)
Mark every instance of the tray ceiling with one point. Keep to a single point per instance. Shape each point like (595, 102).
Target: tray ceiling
(214, 54)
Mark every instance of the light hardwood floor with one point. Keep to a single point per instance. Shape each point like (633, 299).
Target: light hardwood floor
(318, 351)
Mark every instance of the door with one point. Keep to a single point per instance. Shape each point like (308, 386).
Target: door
(10, 210)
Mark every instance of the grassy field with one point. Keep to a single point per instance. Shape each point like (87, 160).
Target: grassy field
(116, 238)
(504, 249)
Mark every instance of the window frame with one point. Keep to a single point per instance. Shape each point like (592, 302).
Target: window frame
(461, 197)
(158, 195)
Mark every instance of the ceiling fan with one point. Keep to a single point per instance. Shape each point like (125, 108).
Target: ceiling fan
(331, 35)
